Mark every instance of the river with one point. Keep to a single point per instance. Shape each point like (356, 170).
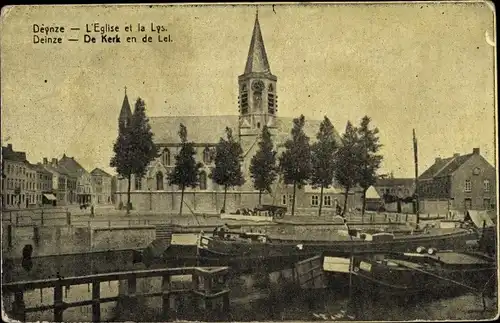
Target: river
(272, 302)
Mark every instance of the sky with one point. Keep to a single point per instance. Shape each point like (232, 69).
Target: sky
(428, 66)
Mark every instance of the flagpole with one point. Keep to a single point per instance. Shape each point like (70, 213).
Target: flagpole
(415, 156)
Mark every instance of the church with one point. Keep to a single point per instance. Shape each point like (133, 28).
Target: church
(258, 106)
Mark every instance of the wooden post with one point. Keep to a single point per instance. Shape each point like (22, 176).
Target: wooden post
(132, 286)
(9, 235)
(18, 307)
(166, 297)
(96, 304)
(58, 302)
(225, 304)
(194, 281)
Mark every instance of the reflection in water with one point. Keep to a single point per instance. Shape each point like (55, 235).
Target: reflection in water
(260, 298)
(252, 300)
(76, 293)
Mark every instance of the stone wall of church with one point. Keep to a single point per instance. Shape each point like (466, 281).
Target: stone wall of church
(198, 202)
(211, 202)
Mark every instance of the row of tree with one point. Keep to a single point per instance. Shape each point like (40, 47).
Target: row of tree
(351, 162)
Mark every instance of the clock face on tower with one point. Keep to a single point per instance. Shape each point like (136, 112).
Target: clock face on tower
(258, 86)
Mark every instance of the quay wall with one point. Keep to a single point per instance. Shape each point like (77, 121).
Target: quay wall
(70, 251)
(57, 240)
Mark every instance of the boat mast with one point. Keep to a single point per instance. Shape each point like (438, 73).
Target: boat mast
(415, 156)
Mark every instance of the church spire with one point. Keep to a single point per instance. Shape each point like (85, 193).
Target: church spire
(125, 112)
(257, 58)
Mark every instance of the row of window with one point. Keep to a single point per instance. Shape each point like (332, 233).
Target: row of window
(207, 156)
(12, 199)
(467, 187)
(328, 201)
(13, 183)
(394, 191)
(486, 185)
(16, 169)
(20, 200)
(21, 170)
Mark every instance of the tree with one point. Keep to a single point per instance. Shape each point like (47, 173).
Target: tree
(227, 170)
(346, 161)
(369, 161)
(323, 158)
(134, 148)
(186, 171)
(295, 161)
(263, 164)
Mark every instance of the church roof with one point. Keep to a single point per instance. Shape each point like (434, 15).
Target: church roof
(200, 129)
(284, 126)
(257, 58)
(209, 129)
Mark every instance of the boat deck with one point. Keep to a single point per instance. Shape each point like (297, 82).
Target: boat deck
(454, 258)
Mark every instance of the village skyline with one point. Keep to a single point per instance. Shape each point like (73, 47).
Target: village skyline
(441, 81)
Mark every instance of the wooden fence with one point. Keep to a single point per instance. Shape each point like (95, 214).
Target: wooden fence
(208, 284)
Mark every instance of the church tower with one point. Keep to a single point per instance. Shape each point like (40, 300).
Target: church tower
(257, 90)
(125, 112)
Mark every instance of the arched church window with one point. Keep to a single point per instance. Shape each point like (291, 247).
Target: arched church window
(207, 155)
(270, 88)
(166, 157)
(159, 181)
(203, 180)
(138, 183)
(244, 88)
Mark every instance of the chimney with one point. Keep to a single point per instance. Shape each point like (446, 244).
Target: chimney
(438, 159)
(475, 151)
(45, 161)
(455, 155)
(54, 161)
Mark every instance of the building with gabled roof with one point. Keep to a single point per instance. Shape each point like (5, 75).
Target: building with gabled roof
(44, 185)
(81, 191)
(63, 182)
(257, 107)
(461, 182)
(399, 187)
(102, 186)
(13, 178)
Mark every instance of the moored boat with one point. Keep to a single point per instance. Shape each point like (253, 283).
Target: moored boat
(260, 245)
(409, 274)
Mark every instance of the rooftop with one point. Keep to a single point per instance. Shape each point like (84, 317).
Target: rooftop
(99, 172)
(446, 166)
(9, 154)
